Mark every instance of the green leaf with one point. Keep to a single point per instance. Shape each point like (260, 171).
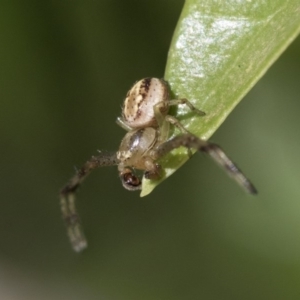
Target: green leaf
(220, 49)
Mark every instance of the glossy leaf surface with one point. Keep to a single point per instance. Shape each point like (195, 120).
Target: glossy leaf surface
(220, 49)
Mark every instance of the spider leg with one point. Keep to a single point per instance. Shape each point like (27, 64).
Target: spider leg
(123, 124)
(213, 150)
(164, 120)
(187, 103)
(67, 198)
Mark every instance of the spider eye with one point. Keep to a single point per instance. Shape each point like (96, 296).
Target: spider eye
(130, 181)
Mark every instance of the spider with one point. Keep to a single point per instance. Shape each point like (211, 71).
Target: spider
(147, 122)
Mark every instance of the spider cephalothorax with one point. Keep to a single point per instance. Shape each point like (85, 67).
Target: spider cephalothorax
(146, 119)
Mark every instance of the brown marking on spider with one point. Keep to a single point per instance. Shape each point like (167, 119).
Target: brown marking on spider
(145, 117)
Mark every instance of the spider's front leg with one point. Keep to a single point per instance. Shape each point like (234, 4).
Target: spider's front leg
(213, 150)
(67, 198)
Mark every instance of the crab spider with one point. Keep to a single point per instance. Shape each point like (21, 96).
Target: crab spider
(146, 119)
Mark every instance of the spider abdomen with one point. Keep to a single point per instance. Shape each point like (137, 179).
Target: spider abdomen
(138, 106)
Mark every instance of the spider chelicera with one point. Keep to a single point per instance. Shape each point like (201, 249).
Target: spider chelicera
(145, 117)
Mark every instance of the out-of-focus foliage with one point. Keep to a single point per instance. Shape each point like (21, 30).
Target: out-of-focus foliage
(65, 70)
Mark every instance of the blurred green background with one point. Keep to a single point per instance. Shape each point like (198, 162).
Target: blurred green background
(65, 69)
